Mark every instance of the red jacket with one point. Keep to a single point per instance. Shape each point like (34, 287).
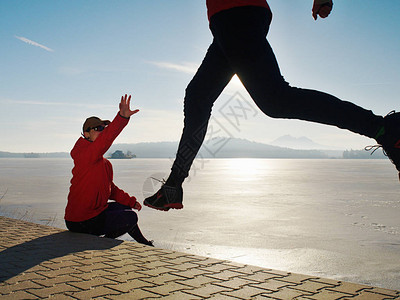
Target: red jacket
(92, 176)
(214, 6)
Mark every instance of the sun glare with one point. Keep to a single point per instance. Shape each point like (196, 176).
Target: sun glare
(245, 167)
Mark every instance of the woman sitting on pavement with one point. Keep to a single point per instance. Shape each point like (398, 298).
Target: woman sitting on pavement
(88, 209)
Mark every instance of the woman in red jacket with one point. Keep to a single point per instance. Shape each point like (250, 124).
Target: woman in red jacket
(88, 209)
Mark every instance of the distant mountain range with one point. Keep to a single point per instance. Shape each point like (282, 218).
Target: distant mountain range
(240, 148)
(4, 154)
(302, 143)
(221, 147)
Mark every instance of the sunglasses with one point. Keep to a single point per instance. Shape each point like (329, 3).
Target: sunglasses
(98, 128)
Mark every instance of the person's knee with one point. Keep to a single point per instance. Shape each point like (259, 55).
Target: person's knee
(276, 103)
(134, 217)
(129, 218)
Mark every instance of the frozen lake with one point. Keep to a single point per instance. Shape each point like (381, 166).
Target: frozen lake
(331, 218)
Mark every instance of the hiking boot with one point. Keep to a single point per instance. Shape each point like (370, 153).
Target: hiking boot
(390, 138)
(166, 197)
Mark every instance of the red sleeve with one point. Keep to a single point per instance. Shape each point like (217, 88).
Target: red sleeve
(104, 141)
(121, 197)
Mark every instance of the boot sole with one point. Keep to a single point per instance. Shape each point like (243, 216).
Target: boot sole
(166, 207)
(174, 205)
(155, 207)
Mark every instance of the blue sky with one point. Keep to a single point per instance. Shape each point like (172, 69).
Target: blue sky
(63, 61)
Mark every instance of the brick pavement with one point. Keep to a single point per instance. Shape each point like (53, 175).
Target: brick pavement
(38, 262)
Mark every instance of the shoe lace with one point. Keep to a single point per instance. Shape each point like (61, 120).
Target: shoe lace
(156, 179)
(391, 113)
(374, 148)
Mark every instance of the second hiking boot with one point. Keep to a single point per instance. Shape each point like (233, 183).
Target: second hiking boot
(166, 197)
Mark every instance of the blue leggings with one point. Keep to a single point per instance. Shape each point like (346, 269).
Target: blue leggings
(114, 221)
(240, 47)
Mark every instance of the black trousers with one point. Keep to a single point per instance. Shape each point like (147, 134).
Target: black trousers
(113, 222)
(240, 47)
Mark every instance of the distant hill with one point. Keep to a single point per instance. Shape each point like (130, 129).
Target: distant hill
(303, 143)
(218, 148)
(33, 155)
(147, 150)
(222, 148)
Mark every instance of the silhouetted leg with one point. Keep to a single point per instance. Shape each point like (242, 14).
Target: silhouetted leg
(211, 78)
(241, 34)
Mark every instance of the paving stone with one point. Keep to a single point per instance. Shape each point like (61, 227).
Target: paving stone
(95, 274)
(158, 264)
(60, 272)
(363, 295)
(156, 271)
(119, 263)
(171, 255)
(223, 297)
(137, 294)
(97, 292)
(167, 288)
(288, 293)
(48, 282)
(190, 273)
(235, 283)
(18, 286)
(224, 275)
(121, 270)
(183, 267)
(18, 295)
(261, 276)
(385, 292)
(79, 266)
(296, 278)
(207, 261)
(327, 281)
(248, 270)
(214, 268)
(126, 277)
(277, 272)
(25, 276)
(130, 285)
(273, 285)
(179, 260)
(327, 295)
(88, 284)
(180, 295)
(350, 288)
(265, 297)
(60, 264)
(312, 286)
(53, 290)
(208, 290)
(199, 281)
(163, 278)
(245, 292)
